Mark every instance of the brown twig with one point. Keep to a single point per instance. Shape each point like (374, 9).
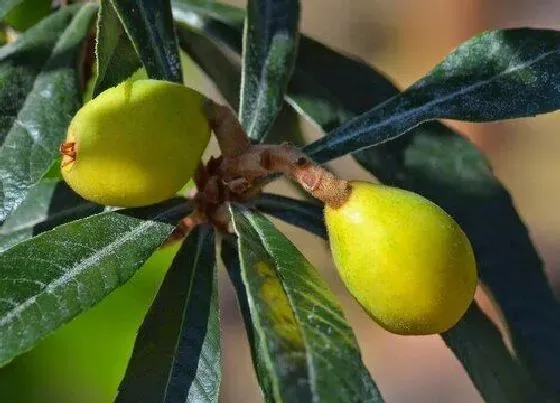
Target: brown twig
(243, 165)
(262, 160)
(227, 129)
(185, 226)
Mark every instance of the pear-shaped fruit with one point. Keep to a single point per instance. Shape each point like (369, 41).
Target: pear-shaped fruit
(135, 144)
(405, 260)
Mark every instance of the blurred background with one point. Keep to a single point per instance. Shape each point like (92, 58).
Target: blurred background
(84, 361)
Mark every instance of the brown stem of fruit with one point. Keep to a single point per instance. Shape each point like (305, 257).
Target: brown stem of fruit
(192, 220)
(185, 226)
(261, 160)
(227, 129)
(243, 166)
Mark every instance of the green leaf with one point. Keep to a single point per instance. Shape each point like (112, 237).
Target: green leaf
(302, 214)
(479, 346)
(116, 57)
(39, 93)
(225, 73)
(192, 10)
(176, 357)
(222, 70)
(53, 173)
(223, 24)
(269, 51)
(302, 333)
(7, 5)
(149, 25)
(47, 205)
(230, 258)
(27, 13)
(324, 83)
(47, 280)
(445, 167)
(496, 75)
(204, 26)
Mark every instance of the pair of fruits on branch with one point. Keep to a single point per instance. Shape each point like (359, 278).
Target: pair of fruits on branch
(405, 260)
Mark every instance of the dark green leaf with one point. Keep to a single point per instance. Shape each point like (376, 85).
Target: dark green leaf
(309, 350)
(225, 73)
(480, 348)
(307, 90)
(269, 51)
(302, 214)
(47, 280)
(219, 22)
(324, 83)
(496, 75)
(222, 70)
(287, 129)
(116, 58)
(47, 205)
(53, 174)
(176, 357)
(230, 258)
(214, 26)
(39, 93)
(449, 170)
(192, 10)
(7, 5)
(149, 25)
(27, 13)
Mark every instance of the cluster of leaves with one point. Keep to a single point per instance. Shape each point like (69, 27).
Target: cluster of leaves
(61, 255)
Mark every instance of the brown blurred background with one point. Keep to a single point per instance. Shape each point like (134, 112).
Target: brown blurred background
(405, 38)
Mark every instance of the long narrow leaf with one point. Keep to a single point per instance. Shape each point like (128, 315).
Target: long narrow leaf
(116, 57)
(193, 9)
(479, 346)
(176, 357)
(496, 75)
(47, 280)
(269, 51)
(225, 73)
(230, 258)
(39, 94)
(48, 204)
(149, 25)
(302, 331)
(323, 87)
(302, 214)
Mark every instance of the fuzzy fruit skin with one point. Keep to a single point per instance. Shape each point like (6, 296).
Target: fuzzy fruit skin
(405, 260)
(136, 144)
